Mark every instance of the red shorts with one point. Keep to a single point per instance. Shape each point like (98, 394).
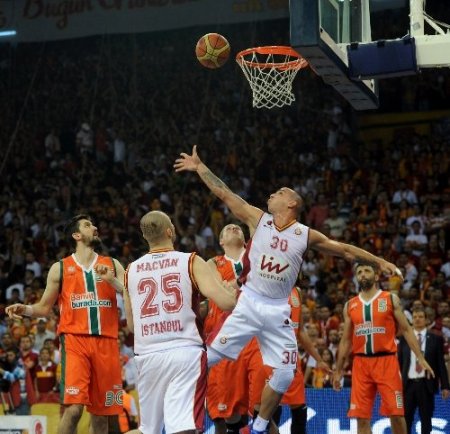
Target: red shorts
(294, 396)
(372, 374)
(231, 384)
(91, 373)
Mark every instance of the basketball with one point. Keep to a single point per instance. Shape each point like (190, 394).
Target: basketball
(212, 50)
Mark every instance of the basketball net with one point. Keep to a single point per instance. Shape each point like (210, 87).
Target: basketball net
(270, 72)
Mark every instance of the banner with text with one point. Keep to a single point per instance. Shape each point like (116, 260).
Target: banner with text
(327, 414)
(41, 20)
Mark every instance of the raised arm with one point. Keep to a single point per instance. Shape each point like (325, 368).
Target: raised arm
(323, 244)
(211, 287)
(408, 333)
(246, 213)
(45, 304)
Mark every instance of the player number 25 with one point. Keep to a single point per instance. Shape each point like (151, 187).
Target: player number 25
(169, 285)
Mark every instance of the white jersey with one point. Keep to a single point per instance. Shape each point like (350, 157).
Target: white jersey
(273, 258)
(165, 301)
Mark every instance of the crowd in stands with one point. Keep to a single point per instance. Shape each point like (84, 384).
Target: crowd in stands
(95, 125)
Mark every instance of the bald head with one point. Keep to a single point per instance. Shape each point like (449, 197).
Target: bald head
(157, 227)
(294, 196)
(285, 199)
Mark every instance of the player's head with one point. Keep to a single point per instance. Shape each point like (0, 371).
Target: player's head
(366, 275)
(285, 199)
(157, 228)
(80, 229)
(419, 318)
(231, 235)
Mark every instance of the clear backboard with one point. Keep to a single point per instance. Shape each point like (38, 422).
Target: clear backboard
(334, 36)
(321, 30)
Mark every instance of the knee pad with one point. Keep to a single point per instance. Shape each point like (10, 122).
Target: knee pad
(281, 379)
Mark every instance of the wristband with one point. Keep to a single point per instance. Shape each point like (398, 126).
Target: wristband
(28, 311)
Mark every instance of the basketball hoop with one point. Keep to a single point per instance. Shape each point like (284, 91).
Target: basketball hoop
(270, 72)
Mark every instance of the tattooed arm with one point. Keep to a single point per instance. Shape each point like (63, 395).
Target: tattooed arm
(246, 213)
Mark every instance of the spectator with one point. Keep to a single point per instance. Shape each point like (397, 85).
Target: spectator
(404, 193)
(42, 334)
(416, 241)
(45, 383)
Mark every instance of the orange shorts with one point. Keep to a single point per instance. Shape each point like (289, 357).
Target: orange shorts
(372, 374)
(91, 373)
(294, 396)
(230, 384)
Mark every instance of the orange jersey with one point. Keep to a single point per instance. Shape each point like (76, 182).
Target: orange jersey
(374, 326)
(229, 270)
(87, 304)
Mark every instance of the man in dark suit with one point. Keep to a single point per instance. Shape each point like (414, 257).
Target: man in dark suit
(418, 390)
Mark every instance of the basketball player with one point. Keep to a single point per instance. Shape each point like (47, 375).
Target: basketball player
(295, 395)
(371, 320)
(271, 265)
(227, 392)
(85, 286)
(162, 306)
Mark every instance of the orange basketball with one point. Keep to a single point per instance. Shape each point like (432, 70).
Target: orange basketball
(212, 50)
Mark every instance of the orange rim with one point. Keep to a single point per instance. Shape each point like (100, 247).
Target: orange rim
(298, 63)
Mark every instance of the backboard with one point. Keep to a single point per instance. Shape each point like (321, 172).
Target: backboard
(321, 30)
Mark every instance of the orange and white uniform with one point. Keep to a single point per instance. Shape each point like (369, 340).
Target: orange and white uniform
(230, 382)
(295, 395)
(375, 364)
(88, 330)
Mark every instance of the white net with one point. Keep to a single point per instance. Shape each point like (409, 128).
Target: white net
(270, 72)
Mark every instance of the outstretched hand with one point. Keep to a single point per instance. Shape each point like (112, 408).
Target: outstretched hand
(187, 162)
(16, 311)
(390, 269)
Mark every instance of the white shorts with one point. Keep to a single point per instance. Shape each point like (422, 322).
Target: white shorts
(172, 389)
(266, 318)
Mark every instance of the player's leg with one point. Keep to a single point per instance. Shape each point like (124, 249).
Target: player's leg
(105, 391)
(298, 419)
(153, 377)
(70, 418)
(184, 400)
(99, 424)
(386, 373)
(214, 397)
(75, 379)
(279, 350)
(236, 393)
(363, 425)
(235, 422)
(398, 425)
(229, 337)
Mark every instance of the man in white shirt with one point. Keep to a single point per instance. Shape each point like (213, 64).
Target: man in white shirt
(404, 193)
(418, 389)
(416, 241)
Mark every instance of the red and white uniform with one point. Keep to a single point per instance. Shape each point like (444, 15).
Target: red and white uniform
(274, 257)
(170, 357)
(272, 263)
